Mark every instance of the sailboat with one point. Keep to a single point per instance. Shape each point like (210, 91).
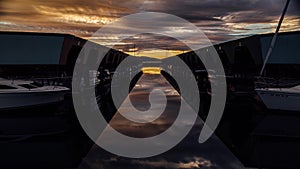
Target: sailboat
(279, 98)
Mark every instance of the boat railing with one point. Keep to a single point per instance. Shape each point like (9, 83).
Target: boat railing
(43, 81)
(267, 82)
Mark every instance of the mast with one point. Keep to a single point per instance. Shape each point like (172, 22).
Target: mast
(274, 38)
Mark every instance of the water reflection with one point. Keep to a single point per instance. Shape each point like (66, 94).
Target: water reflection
(187, 154)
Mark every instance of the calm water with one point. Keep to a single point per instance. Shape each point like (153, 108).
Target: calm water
(188, 154)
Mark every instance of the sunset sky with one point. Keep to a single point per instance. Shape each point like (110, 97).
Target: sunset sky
(221, 20)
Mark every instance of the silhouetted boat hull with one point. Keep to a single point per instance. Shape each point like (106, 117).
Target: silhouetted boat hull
(26, 99)
(20, 93)
(281, 98)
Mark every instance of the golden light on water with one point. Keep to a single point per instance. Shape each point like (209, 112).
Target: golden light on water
(151, 70)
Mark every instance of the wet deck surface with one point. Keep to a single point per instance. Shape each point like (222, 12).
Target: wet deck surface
(187, 154)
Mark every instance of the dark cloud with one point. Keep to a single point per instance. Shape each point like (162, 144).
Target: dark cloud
(153, 41)
(221, 20)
